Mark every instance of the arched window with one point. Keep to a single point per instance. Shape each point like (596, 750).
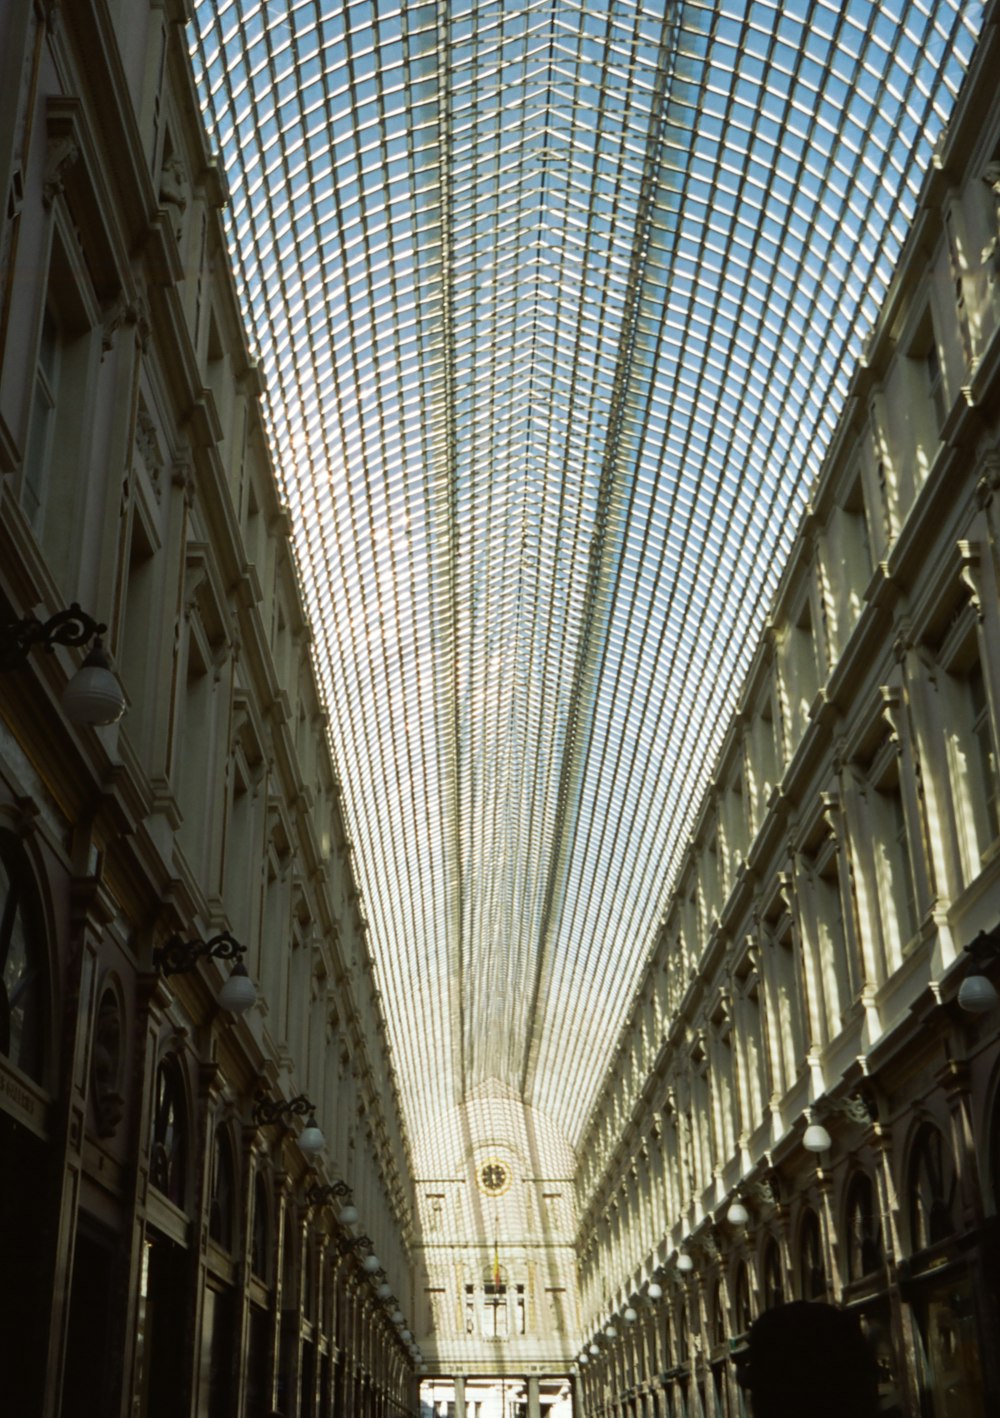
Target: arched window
(773, 1285)
(931, 1189)
(290, 1277)
(718, 1334)
(310, 1268)
(23, 974)
(222, 1207)
(168, 1157)
(812, 1271)
(741, 1299)
(683, 1337)
(864, 1228)
(260, 1246)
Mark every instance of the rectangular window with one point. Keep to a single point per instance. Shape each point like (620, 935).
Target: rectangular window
(935, 383)
(986, 761)
(828, 972)
(43, 420)
(958, 284)
(792, 1035)
(896, 888)
(749, 1032)
(495, 1311)
(56, 479)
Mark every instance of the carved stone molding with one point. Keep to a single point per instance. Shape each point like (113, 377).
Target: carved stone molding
(63, 153)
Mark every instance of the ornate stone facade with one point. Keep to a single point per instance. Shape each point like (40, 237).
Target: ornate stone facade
(846, 856)
(166, 1248)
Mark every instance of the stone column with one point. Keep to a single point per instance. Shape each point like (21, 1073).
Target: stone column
(534, 1403)
(460, 1396)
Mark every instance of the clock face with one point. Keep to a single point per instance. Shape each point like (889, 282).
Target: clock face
(494, 1178)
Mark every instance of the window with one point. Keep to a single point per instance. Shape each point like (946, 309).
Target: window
(894, 899)
(222, 1207)
(195, 764)
(718, 1318)
(958, 284)
(260, 1248)
(864, 1229)
(785, 1007)
(66, 369)
(935, 382)
(833, 978)
(898, 845)
(138, 661)
(932, 1188)
(501, 1307)
(799, 680)
(41, 430)
(23, 975)
(683, 1335)
(812, 1271)
(969, 740)
(107, 1064)
(986, 761)
(168, 1156)
(495, 1318)
(748, 1031)
(722, 1076)
(773, 1282)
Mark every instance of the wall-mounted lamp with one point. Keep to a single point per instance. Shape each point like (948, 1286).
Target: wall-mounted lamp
(384, 1291)
(654, 1290)
(319, 1196)
(977, 994)
(239, 992)
(349, 1215)
(737, 1214)
(405, 1335)
(371, 1264)
(93, 695)
(629, 1315)
(685, 1262)
(610, 1332)
(595, 1349)
(267, 1111)
(584, 1358)
(179, 957)
(816, 1138)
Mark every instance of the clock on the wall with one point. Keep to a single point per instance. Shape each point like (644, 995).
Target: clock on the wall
(493, 1177)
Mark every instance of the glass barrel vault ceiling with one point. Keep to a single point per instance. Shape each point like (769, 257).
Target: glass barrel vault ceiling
(557, 305)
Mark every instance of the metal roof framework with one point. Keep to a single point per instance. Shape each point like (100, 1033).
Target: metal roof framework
(557, 305)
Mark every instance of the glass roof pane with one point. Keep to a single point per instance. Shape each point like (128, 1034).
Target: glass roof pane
(557, 304)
